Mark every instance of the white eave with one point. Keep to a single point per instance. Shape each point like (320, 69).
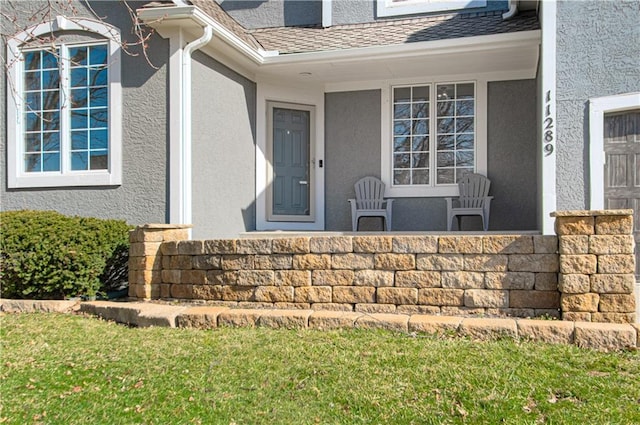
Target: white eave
(515, 53)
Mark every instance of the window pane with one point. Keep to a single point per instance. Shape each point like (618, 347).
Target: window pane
(420, 110)
(51, 100)
(79, 98)
(78, 56)
(32, 102)
(32, 142)
(33, 121)
(99, 139)
(49, 60)
(420, 176)
(420, 93)
(51, 120)
(98, 55)
(98, 77)
(420, 143)
(464, 159)
(402, 128)
(79, 118)
(401, 144)
(50, 79)
(51, 142)
(446, 91)
(79, 161)
(445, 125)
(445, 176)
(51, 162)
(464, 141)
(78, 77)
(464, 91)
(99, 97)
(446, 159)
(402, 160)
(402, 94)
(402, 110)
(32, 163)
(464, 125)
(99, 160)
(445, 142)
(79, 140)
(464, 107)
(99, 117)
(446, 109)
(31, 60)
(461, 172)
(420, 160)
(32, 80)
(421, 127)
(401, 177)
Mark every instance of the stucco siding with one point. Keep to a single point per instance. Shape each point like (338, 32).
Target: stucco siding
(598, 54)
(512, 154)
(142, 197)
(274, 13)
(223, 150)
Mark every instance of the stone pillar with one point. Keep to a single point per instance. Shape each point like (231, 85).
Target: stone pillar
(597, 265)
(145, 259)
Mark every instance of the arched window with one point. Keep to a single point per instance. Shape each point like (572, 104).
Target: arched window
(64, 122)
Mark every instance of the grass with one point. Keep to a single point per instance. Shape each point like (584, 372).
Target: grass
(65, 369)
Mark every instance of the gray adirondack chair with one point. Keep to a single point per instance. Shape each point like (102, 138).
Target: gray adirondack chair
(370, 202)
(473, 200)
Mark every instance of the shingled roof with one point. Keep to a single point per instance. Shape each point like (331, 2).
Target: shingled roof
(288, 40)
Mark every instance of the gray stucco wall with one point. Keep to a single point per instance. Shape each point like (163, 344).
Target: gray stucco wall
(274, 13)
(598, 54)
(512, 154)
(223, 150)
(353, 151)
(142, 196)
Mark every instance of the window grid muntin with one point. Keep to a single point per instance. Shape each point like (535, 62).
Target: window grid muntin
(463, 149)
(97, 121)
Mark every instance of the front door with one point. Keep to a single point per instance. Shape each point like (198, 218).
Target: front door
(622, 167)
(290, 194)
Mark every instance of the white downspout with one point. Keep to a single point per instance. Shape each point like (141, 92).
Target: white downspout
(185, 141)
(513, 10)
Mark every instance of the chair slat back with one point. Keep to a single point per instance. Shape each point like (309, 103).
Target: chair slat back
(369, 193)
(473, 189)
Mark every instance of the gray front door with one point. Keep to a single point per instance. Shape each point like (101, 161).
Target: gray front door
(291, 179)
(622, 167)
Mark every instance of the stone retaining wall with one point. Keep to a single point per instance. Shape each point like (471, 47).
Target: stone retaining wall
(513, 275)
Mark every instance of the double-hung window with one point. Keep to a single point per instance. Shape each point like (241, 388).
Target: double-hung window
(67, 128)
(434, 138)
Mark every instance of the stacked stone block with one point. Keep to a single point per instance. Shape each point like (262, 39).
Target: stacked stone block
(452, 275)
(597, 265)
(145, 259)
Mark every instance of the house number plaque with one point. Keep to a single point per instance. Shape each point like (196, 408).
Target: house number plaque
(548, 126)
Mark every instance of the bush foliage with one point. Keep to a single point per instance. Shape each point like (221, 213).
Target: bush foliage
(46, 255)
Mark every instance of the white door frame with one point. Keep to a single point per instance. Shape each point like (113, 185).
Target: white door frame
(270, 93)
(598, 107)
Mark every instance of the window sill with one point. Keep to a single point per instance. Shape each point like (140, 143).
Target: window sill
(421, 192)
(69, 180)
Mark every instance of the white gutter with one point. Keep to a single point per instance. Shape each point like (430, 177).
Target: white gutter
(513, 10)
(185, 117)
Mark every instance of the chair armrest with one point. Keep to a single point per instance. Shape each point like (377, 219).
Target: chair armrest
(351, 201)
(449, 202)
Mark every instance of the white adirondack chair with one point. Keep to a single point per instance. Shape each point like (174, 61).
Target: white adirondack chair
(473, 200)
(370, 202)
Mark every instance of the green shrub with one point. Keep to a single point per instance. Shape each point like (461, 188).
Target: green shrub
(46, 255)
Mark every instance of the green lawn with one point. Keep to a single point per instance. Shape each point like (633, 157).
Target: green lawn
(65, 369)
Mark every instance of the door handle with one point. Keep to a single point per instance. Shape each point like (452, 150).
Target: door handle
(303, 182)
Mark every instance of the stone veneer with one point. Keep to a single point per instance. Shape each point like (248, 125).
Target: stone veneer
(597, 265)
(579, 275)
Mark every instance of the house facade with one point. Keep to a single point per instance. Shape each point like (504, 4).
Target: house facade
(261, 115)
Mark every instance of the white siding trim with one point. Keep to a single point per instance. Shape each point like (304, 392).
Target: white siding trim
(598, 107)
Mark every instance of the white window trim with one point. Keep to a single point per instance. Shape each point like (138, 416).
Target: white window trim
(408, 191)
(598, 107)
(409, 7)
(15, 126)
